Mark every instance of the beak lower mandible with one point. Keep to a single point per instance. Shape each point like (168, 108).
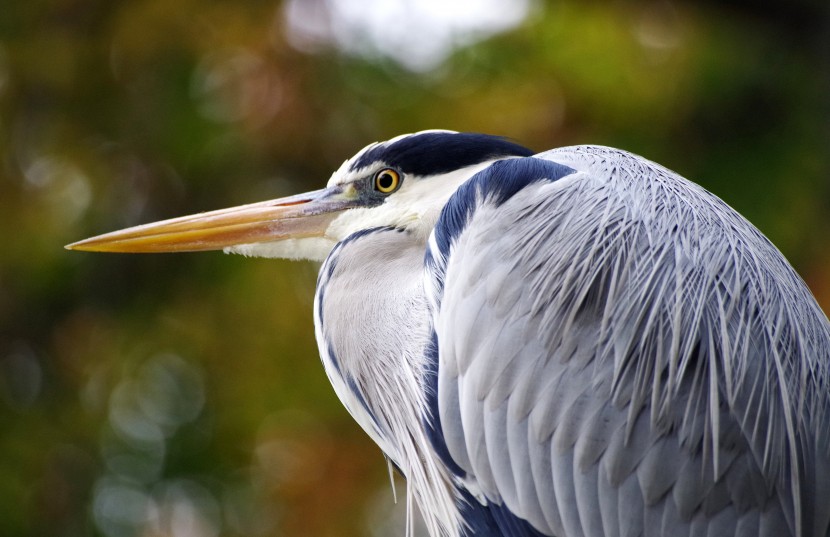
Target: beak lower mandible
(294, 217)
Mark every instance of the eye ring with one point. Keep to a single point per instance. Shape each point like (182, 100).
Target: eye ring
(387, 181)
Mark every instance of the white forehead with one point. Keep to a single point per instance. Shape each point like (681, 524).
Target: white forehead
(344, 173)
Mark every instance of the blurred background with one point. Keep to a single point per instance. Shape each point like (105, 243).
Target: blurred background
(182, 395)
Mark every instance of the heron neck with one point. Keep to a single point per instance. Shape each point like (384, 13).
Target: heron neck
(371, 319)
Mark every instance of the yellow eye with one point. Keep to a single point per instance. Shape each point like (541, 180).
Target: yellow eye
(387, 181)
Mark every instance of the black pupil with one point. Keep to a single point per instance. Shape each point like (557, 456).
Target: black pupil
(386, 181)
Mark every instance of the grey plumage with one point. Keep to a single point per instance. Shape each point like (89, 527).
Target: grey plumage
(579, 343)
(662, 355)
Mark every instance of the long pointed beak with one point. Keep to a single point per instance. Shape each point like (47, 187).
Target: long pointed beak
(294, 217)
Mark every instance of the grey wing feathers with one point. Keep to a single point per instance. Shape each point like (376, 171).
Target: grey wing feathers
(620, 353)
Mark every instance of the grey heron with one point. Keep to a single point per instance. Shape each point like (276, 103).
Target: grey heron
(578, 342)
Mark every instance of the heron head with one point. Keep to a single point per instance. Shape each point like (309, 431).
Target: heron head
(402, 183)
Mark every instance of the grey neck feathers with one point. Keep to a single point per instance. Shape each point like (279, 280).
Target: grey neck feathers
(372, 328)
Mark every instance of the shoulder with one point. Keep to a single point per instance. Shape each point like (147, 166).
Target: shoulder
(493, 186)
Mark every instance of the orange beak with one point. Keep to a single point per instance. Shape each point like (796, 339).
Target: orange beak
(294, 217)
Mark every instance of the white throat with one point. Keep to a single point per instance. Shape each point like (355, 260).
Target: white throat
(372, 328)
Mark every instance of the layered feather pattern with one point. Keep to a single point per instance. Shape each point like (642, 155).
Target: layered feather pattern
(621, 353)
